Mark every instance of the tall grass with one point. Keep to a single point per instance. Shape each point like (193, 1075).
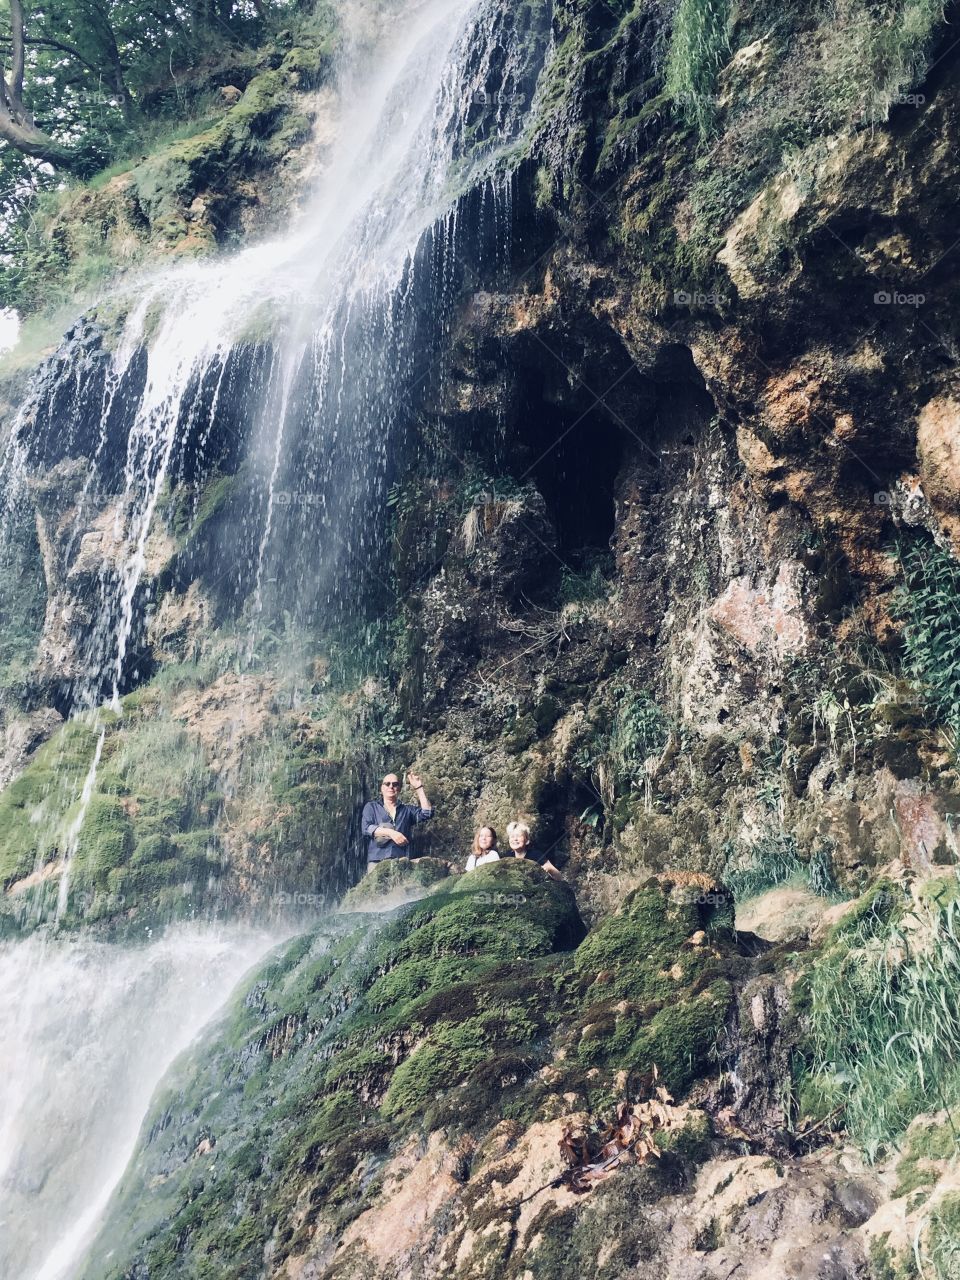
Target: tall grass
(901, 46)
(774, 860)
(885, 1013)
(930, 607)
(943, 1240)
(698, 47)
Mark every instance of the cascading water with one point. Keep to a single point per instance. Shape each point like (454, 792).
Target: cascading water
(299, 359)
(87, 1030)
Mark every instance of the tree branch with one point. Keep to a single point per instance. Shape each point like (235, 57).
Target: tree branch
(44, 42)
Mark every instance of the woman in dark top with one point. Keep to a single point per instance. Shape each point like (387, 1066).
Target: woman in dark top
(518, 834)
(388, 825)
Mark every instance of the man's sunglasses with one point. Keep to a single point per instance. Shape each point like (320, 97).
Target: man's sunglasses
(391, 784)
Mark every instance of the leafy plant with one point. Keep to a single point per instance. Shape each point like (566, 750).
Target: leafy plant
(586, 584)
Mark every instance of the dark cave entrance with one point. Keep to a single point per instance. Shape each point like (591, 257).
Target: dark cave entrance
(574, 460)
(574, 444)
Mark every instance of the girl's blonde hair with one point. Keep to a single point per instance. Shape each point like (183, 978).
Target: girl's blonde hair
(518, 829)
(476, 838)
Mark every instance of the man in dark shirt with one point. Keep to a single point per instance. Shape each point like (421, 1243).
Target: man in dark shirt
(388, 825)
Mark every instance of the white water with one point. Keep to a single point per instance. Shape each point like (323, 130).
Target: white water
(87, 1032)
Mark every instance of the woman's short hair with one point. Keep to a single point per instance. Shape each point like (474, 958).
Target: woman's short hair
(517, 829)
(476, 838)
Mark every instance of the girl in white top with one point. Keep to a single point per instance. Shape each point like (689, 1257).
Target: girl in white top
(484, 849)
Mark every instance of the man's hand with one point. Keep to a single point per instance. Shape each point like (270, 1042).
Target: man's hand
(415, 781)
(398, 838)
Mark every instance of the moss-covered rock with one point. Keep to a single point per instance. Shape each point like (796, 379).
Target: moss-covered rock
(393, 881)
(339, 1046)
(656, 980)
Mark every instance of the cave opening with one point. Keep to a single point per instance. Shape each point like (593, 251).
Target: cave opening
(574, 462)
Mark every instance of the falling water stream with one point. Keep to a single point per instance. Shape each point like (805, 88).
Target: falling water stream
(342, 313)
(87, 1031)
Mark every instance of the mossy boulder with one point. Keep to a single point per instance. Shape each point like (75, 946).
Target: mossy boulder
(337, 1048)
(394, 881)
(656, 980)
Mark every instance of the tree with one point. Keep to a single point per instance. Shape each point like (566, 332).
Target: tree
(17, 125)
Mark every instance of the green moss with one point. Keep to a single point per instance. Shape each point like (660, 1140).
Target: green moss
(691, 1143)
(395, 877)
(105, 840)
(34, 808)
(643, 953)
(928, 1146)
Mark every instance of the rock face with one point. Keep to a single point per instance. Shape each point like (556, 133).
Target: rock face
(669, 545)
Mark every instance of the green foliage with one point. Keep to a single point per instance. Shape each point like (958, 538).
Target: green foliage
(134, 92)
(824, 71)
(640, 729)
(698, 46)
(773, 860)
(588, 583)
(619, 741)
(899, 46)
(885, 1010)
(930, 606)
(943, 1240)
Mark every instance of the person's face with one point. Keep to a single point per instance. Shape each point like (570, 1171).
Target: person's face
(390, 788)
(519, 841)
(484, 839)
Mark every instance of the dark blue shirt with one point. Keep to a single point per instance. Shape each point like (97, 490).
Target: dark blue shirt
(538, 858)
(375, 815)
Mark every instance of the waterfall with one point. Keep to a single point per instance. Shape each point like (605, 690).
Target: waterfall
(299, 359)
(87, 1031)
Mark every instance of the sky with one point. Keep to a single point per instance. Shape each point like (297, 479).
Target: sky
(9, 329)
